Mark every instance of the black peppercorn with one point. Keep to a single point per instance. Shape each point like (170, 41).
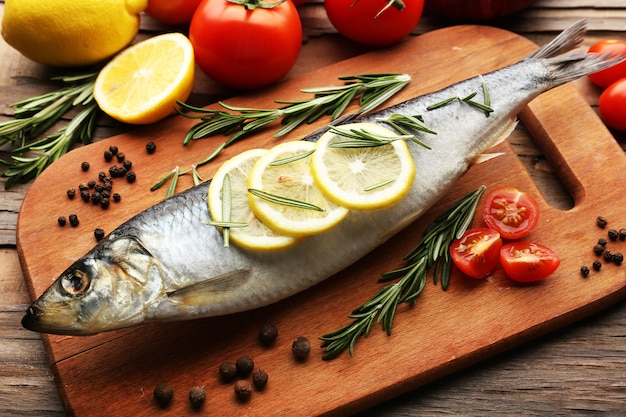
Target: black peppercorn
(84, 166)
(105, 203)
(608, 256)
(259, 379)
(601, 222)
(244, 365)
(84, 194)
(598, 249)
(243, 391)
(61, 220)
(120, 157)
(584, 271)
(113, 171)
(596, 265)
(150, 147)
(98, 234)
(197, 396)
(73, 220)
(113, 149)
(163, 394)
(618, 258)
(116, 197)
(83, 187)
(128, 164)
(71, 193)
(613, 234)
(602, 241)
(301, 348)
(228, 371)
(121, 171)
(102, 175)
(96, 197)
(622, 234)
(131, 176)
(91, 184)
(268, 334)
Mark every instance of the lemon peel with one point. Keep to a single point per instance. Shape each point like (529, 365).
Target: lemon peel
(142, 84)
(256, 235)
(69, 33)
(363, 178)
(291, 180)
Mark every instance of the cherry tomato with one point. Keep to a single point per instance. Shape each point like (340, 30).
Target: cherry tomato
(608, 76)
(511, 212)
(477, 252)
(358, 20)
(172, 12)
(245, 48)
(613, 105)
(528, 262)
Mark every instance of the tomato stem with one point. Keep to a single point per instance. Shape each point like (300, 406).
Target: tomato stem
(253, 4)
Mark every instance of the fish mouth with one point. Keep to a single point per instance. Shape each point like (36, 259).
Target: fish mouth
(30, 321)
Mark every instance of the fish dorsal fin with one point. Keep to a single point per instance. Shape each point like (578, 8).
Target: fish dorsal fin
(212, 289)
(506, 132)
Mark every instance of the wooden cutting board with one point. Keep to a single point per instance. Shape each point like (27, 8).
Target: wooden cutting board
(115, 373)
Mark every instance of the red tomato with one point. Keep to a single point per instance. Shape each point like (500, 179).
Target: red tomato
(613, 105)
(245, 48)
(528, 262)
(512, 213)
(608, 76)
(358, 20)
(477, 252)
(172, 12)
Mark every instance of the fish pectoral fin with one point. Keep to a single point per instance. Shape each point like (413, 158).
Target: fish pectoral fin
(212, 289)
(484, 157)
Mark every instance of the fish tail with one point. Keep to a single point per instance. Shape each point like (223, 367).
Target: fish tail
(564, 64)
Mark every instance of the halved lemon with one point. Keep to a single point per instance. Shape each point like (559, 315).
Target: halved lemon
(363, 178)
(255, 235)
(142, 83)
(284, 172)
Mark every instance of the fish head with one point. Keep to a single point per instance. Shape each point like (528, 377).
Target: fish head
(107, 289)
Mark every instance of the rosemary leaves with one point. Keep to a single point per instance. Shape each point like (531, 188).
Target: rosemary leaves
(371, 90)
(35, 115)
(431, 252)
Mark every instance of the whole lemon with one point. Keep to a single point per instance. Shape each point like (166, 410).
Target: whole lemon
(67, 33)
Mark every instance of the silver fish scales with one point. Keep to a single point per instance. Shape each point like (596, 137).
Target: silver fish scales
(165, 264)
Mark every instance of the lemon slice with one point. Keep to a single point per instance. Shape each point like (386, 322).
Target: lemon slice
(363, 178)
(293, 181)
(255, 235)
(142, 83)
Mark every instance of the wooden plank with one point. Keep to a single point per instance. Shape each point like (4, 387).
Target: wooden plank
(367, 378)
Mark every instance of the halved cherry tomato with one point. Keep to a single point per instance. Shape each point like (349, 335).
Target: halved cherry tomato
(613, 105)
(608, 76)
(528, 262)
(477, 252)
(510, 212)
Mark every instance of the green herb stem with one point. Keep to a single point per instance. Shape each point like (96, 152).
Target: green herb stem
(431, 251)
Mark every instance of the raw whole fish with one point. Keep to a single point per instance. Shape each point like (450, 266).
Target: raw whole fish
(167, 264)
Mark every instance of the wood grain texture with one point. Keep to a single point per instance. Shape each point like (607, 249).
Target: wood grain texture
(574, 371)
(122, 376)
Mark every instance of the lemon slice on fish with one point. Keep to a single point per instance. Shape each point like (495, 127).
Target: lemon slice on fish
(255, 235)
(363, 177)
(284, 196)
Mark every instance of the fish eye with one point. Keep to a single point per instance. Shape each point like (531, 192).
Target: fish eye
(75, 283)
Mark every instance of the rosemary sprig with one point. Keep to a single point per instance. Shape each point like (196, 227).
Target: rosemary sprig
(237, 122)
(283, 201)
(485, 106)
(431, 251)
(34, 116)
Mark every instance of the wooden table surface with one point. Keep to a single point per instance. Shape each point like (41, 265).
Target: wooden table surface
(578, 370)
